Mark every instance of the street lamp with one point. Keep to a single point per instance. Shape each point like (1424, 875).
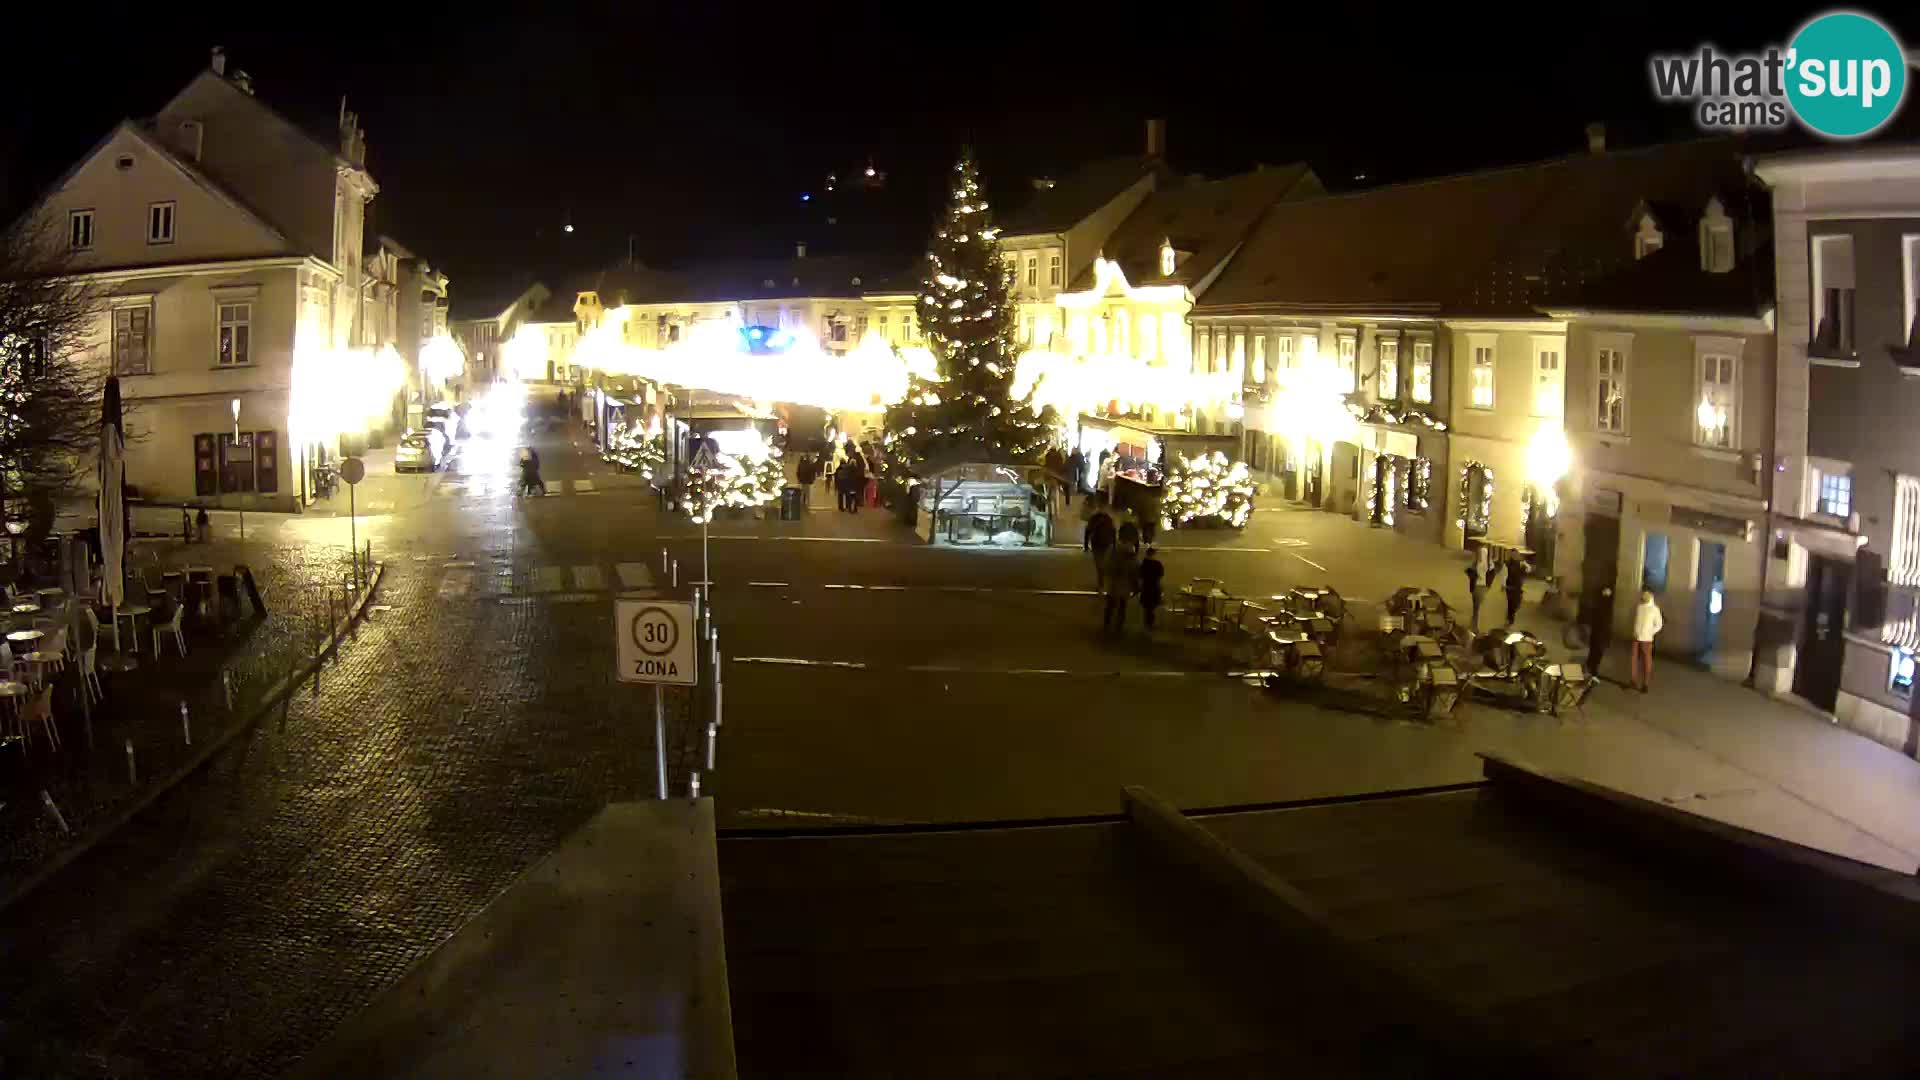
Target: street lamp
(235, 406)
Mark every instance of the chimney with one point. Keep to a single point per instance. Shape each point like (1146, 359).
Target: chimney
(220, 61)
(1156, 137)
(1596, 138)
(244, 82)
(800, 250)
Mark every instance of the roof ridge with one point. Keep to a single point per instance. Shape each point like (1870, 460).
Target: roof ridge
(1574, 158)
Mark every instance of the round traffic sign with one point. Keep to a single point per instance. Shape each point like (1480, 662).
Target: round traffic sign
(353, 470)
(655, 631)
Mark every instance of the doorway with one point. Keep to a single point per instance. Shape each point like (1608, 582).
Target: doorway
(1709, 597)
(1816, 676)
(1654, 553)
(1600, 563)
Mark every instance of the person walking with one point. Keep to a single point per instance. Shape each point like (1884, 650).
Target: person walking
(1477, 591)
(1151, 573)
(857, 483)
(1123, 576)
(1098, 538)
(1076, 470)
(1516, 586)
(1129, 533)
(1647, 624)
(803, 474)
(1599, 629)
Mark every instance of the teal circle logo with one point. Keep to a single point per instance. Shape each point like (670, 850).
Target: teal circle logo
(1846, 74)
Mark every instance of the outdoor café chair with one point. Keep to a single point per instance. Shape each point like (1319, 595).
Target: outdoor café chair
(40, 707)
(171, 626)
(90, 673)
(93, 623)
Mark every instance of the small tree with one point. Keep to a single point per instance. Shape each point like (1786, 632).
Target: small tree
(966, 312)
(49, 391)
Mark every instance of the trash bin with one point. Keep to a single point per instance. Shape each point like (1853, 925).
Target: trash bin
(792, 503)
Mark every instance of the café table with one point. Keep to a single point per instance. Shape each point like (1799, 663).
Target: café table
(1203, 607)
(26, 607)
(132, 613)
(11, 692)
(22, 637)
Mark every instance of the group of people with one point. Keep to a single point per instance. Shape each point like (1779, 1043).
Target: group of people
(1597, 617)
(852, 473)
(1121, 570)
(530, 481)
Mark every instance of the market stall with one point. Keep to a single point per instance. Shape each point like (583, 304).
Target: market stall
(978, 503)
(1128, 459)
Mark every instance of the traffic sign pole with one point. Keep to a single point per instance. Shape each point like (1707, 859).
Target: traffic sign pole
(660, 736)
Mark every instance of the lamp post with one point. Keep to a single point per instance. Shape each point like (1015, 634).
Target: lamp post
(235, 405)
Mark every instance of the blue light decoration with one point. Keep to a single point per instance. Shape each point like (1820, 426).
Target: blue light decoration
(806, 196)
(764, 340)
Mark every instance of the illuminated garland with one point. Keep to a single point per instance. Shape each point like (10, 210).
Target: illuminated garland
(1476, 507)
(732, 482)
(1419, 484)
(1381, 492)
(1207, 488)
(629, 448)
(1387, 414)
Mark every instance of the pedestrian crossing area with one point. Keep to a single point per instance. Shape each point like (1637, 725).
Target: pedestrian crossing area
(463, 579)
(454, 487)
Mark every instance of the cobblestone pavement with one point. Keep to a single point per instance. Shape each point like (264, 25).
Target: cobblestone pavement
(474, 723)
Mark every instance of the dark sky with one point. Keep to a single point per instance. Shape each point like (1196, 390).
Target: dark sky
(696, 133)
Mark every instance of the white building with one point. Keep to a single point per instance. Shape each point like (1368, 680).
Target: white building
(225, 242)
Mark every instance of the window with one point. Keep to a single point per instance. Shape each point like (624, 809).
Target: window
(884, 334)
(1900, 672)
(1480, 391)
(1053, 270)
(1836, 494)
(1149, 337)
(80, 230)
(160, 223)
(1610, 387)
(1202, 350)
(1013, 271)
(1122, 333)
(1423, 372)
(1549, 391)
(1716, 239)
(1028, 331)
(236, 335)
(1648, 238)
(1166, 259)
(1310, 348)
(1237, 360)
(1283, 351)
(1033, 270)
(1259, 371)
(906, 326)
(1347, 350)
(132, 333)
(1387, 370)
(1903, 564)
(1832, 296)
(1717, 411)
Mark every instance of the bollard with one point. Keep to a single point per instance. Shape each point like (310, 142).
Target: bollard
(133, 775)
(693, 787)
(676, 573)
(186, 725)
(663, 558)
(226, 688)
(58, 818)
(329, 613)
(713, 740)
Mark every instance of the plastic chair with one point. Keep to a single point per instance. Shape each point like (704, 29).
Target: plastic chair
(93, 623)
(90, 674)
(171, 626)
(15, 669)
(40, 707)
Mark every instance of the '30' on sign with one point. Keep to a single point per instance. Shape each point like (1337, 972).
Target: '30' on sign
(653, 642)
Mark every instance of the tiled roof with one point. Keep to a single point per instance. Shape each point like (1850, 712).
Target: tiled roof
(1501, 242)
(1205, 219)
(1074, 196)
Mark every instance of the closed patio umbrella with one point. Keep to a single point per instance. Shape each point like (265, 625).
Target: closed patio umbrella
(113, 516)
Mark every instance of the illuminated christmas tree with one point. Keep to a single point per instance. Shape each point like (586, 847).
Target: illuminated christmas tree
(738, 483)
(967, 315)
(1207, 489)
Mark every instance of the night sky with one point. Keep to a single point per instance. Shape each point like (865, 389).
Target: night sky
(696, 134)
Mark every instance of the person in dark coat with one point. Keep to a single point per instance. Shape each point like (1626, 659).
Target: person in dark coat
(1599, 629)
(1516, 586)
(1129, 534)
(1151, 573)
(1098, 538)
(1076, 468)
(1123, 577)
(1477, 591)
(803, 474)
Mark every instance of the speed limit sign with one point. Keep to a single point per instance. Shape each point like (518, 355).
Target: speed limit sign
(653, 642)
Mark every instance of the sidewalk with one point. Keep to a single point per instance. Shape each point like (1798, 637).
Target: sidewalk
(91, 784)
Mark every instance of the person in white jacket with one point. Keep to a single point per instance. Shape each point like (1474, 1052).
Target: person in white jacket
(1647, 622)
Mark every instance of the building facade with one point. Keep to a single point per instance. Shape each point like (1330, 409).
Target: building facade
(1843, 594)
(225, 244)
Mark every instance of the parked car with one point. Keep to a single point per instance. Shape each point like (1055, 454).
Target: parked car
(420, 450)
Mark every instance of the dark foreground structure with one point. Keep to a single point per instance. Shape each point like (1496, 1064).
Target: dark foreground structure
(1525, 925)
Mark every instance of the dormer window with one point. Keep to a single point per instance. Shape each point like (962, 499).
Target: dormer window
(1647, 237)
(1167, 258)
(1716, 239)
